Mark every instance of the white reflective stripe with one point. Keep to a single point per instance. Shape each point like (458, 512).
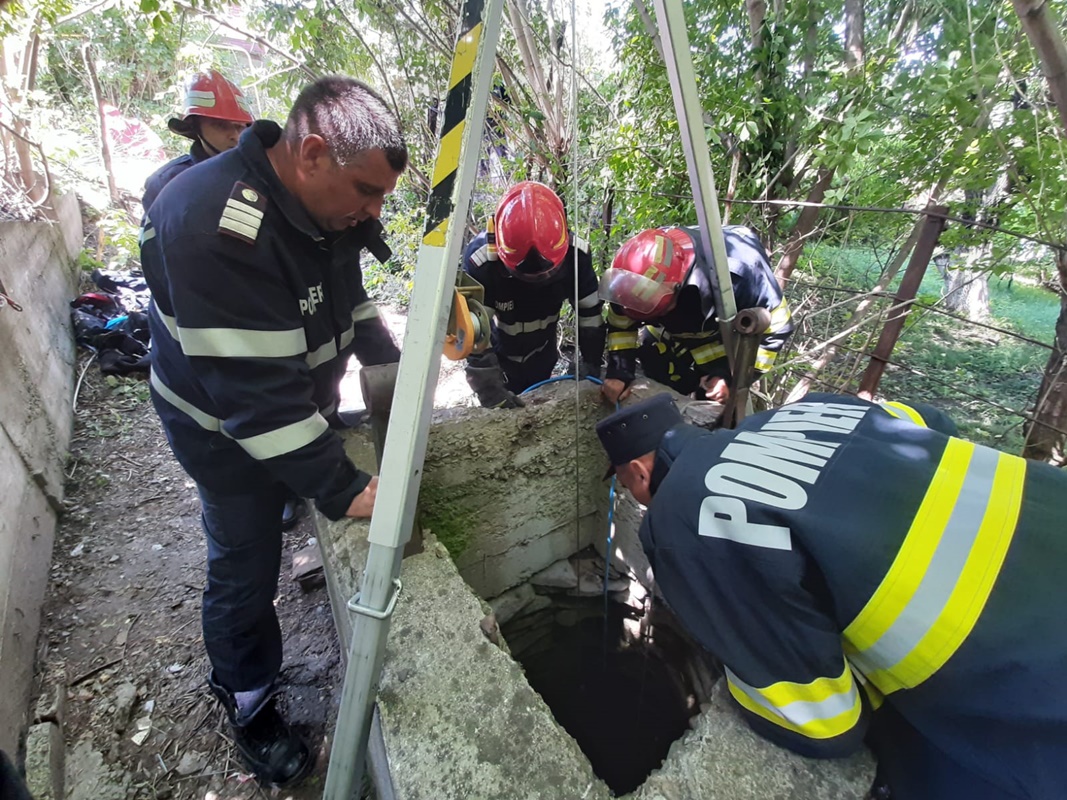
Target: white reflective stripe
(531, 354)
(147, 233)
(201, 99)
(201, 418)
(515, 328)
(591, 321)
(346, 338)
(364, 311)
(581, 244)
(168, 321)
(242, 103)
(481, 255)
(285, 439)
(590, 301)
(241, 342)
(800, 713)
(322, 354)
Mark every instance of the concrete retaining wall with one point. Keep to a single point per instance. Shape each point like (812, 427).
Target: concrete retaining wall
(37, 361)
(458, 717)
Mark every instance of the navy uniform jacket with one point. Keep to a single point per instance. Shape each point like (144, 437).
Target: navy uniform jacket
(852, 568)
(254, 315)
(694, 323)
(169, 171)
(526, 315)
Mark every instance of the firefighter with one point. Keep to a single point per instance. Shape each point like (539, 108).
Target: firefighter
(526, 262)
(859, 574)
(659, 279)
(258, 302)
(216, 113)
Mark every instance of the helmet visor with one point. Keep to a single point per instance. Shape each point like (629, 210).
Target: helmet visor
(634, 292)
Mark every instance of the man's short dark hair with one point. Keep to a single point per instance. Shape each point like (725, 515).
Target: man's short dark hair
(351, 117)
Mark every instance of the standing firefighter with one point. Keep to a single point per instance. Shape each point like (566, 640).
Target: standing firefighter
(258, 302)
(861, 575)
(216, 113)
(660, 279)
(526, 262)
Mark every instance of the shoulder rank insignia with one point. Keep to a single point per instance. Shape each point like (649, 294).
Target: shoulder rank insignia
(243, 213)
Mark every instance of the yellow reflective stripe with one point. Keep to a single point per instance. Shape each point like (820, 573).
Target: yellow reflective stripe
(620, 321)
(779, 317)
(902, 411)
(707, 353)
(821, 709)
(941, 579)
(959, 615)
(622, 340)
(765, 359)
(286, 439)
(908, 568)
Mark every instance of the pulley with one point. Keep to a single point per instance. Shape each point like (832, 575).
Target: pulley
(469, 330)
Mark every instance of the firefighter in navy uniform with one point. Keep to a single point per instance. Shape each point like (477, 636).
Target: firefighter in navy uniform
(659, 279)
(526, 262)
(216, 113)
(258, 302)
(861, 575)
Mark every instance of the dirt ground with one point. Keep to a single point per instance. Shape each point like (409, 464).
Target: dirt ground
(121, 625)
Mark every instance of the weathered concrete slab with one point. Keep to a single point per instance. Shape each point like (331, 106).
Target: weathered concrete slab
(459, 718)
(722, 759)
(36, 382)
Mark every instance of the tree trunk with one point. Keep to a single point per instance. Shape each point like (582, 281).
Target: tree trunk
(1044, 439)
(1044, 34)
(966, 291)
(805, 225)
(105, 145)
(853, 34)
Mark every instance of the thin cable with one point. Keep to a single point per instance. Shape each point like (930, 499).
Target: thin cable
(574, 307)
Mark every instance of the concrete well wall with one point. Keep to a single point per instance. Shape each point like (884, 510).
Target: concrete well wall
(458, 718)
(37, 361)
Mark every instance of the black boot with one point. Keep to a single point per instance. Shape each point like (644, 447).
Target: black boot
(292, 513)
(274, 752)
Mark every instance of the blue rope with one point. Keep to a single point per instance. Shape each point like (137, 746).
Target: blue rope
(539, 384)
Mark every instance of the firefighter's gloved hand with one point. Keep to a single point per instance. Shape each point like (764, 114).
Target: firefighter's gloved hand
(487, 382)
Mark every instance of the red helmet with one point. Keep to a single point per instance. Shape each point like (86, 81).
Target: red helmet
(531, 231)
(209, 94)
(647, 271)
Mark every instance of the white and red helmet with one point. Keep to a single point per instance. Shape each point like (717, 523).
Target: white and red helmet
(648, 270)
(210, 94)
(531, 232)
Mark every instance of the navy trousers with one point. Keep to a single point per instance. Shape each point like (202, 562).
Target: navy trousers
(521, 376)
(244, 550)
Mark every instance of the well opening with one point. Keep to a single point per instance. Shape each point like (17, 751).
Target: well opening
(617, 670)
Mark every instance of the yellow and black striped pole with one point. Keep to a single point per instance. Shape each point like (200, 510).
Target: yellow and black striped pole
(457, 102)
(452, 184)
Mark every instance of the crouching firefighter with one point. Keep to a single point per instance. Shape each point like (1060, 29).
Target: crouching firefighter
(526, 262)
(660, 280)
(862, 576)
(257, 304)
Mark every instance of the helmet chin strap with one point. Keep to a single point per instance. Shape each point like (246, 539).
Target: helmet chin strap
(211, 151)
